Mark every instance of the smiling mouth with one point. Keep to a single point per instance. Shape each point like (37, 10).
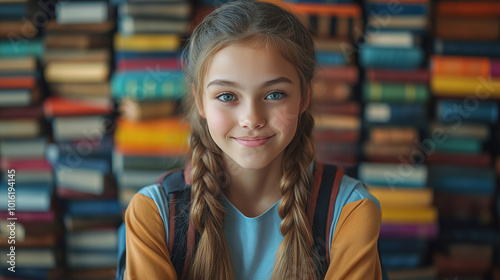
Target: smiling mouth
(252, 142)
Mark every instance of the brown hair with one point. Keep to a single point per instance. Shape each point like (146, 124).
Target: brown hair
(266, 25)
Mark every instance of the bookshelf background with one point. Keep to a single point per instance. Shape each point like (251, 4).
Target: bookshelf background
(406, 98)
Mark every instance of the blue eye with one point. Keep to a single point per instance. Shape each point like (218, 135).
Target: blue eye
(226, 97)
(276, 95)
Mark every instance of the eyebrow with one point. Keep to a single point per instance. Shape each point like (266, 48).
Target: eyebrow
(226, 83)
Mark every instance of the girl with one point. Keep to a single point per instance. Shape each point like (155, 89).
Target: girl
(249, 68)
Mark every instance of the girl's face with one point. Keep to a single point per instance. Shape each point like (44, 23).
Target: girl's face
(252, 102)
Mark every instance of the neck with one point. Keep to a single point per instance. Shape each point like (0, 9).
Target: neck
(253, 191)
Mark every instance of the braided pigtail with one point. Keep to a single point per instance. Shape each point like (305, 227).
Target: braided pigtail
(296, 258)
(212, 258)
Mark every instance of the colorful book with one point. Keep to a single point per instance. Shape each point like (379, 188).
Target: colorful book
(148, 85)
(385, 57)
(454, 111)
(395, 113)
(417, 76)
(402, 197)
(57, 106)
(460, 179)
(143, 110)
(393, 175)
(147, 42)
(395, 92)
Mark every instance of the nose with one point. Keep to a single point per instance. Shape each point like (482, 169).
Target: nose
(252, 116)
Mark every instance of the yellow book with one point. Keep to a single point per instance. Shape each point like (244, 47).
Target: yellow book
(77, 72)
(409, 215)
(456, 86)
(177, 139)
(147, 42)
(402, 197)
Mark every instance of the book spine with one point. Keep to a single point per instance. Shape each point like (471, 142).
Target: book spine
(461, 66)
(403, 58)
(391, 92)
(142, 86)
(451, 110)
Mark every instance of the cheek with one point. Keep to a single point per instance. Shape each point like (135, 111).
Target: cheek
(219, 123)
(285, 119)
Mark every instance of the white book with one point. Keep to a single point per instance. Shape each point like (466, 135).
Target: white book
(390, 39)
(398, 22)
(79, 128)
(15, 97)
(19, 128)
(393, 174)
(93, 240)
(30, 258)
(81, 12)
(83, 180)
(136, 179)
(23, 148)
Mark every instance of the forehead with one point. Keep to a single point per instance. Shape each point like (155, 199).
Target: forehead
(249, 64)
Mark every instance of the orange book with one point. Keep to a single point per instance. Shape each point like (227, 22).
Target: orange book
(154, 124)
(18, 82)
(461, 66)
(57, 106)
(340, 10)
(469, 8)
(149, 151)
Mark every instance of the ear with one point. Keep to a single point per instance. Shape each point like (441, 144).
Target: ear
(199, 104)
(304, 103)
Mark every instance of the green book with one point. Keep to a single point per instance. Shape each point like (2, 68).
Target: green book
(395, 92)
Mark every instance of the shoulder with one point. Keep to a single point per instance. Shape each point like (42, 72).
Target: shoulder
(352, 190)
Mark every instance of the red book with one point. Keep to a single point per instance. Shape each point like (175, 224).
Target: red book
(481, 160)
(145, 64)
(25, 164)
(420, 76)
(348, 74)
(57, 106)
(18, 82)
(26, 217)
(336, 136)
(347, 108)
(29, 112)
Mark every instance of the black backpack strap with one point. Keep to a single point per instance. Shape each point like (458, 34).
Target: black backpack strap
(183, 237)
(324, 192)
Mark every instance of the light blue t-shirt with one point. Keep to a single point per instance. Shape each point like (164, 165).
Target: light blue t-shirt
(253, 242)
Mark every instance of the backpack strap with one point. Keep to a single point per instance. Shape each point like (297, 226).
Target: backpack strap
(324, 192)
(183, 237)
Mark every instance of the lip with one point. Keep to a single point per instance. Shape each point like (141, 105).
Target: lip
(253, 142)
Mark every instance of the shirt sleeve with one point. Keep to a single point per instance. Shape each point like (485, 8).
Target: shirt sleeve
(353, 251)
(147, 253)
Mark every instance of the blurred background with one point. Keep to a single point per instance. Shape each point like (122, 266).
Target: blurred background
(406, 98)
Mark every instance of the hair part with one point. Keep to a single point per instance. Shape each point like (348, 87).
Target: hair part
(264, 25)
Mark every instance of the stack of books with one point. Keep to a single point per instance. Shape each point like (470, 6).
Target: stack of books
(31, 228)
(465, 81)
(335, 27)
(396, 97)
(77, 66)
(148, 84)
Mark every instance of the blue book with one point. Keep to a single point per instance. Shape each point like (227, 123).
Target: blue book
(396, 113)
(331, 58)
(400, 260)
(397, 10)
(121, 55)
(402, 245)
(13, 10)
(462, 180)
(466, 48)
(73, 152)
(21, 48)
(453, 111)
(93, 208)
(148, 86)
(29, 197)
(391, 58)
